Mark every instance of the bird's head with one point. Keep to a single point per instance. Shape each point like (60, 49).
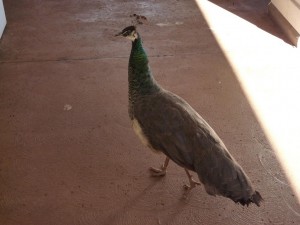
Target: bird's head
(129, 32)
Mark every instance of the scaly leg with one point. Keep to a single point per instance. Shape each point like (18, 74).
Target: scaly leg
(193, 183)
(162, 171)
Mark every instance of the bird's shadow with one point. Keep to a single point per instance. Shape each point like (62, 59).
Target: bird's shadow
(129, 205)
(134, 203)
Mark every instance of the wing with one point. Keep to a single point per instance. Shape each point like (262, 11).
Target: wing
(172, 126)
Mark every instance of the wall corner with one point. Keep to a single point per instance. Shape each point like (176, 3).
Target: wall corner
(284, 24)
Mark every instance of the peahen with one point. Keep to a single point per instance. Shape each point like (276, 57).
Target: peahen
(166, 123)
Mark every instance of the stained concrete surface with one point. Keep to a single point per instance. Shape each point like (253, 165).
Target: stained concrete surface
(68, 153)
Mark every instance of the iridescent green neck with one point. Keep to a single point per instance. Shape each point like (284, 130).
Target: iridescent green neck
(140, 78)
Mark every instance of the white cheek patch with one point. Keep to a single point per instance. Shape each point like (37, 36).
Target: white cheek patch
(131, 38)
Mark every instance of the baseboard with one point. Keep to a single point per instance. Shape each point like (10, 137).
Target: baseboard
(286, 27)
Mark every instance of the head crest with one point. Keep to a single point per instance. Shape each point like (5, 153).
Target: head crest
(138, 19)
(129, 31)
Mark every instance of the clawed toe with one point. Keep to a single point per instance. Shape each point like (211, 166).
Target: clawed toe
(187, 190)
(155, 172)
(186, 187)
(192, 185)
(196, 182)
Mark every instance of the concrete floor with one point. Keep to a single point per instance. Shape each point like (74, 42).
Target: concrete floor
(68, 152)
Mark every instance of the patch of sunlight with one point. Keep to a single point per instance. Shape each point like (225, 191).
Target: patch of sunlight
(268, 70)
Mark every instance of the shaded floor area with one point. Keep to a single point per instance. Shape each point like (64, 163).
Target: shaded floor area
(68, 152)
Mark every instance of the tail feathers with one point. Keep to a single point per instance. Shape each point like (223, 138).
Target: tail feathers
(255, 198)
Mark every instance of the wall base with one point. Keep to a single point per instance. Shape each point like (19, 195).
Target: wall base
(282, 22)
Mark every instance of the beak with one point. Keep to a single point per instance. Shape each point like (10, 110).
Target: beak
(118, 34)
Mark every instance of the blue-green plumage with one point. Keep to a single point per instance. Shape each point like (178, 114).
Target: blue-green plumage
(140, 79)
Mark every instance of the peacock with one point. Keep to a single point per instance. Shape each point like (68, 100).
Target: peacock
(166, 123)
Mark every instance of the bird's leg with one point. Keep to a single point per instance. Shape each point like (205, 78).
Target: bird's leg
(162, 171)
(193, 183)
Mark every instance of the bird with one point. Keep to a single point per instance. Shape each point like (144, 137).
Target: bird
(166, 123)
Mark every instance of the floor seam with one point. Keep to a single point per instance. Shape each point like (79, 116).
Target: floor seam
(99, 58)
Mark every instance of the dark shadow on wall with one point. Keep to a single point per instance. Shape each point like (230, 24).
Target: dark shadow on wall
(297, 4)
(255, 12)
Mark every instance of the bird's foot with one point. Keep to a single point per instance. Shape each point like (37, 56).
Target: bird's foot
(160, 172)
(192, 185)
(155, 172)
(188, 188)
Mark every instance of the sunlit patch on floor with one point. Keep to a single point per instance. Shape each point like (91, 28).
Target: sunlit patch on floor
(268, 71)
